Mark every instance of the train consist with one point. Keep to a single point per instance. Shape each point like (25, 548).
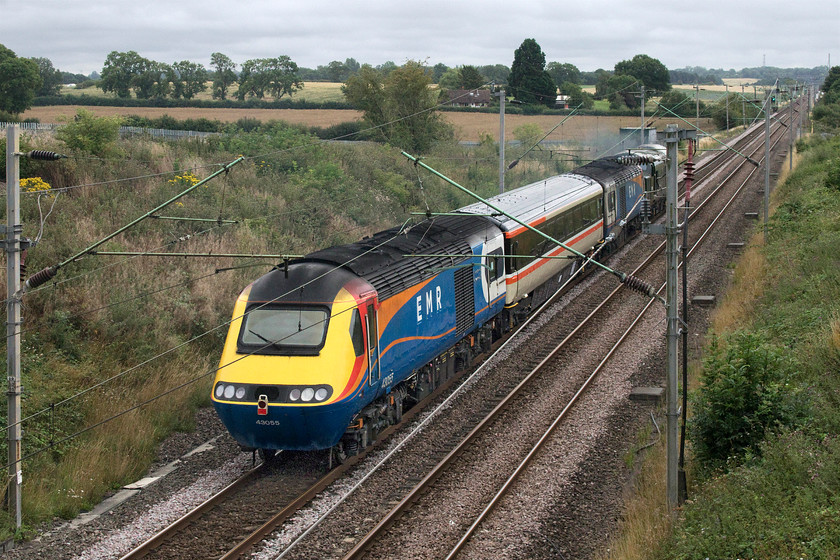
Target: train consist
(329, 349)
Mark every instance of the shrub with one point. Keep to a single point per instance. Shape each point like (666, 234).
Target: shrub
(91, 134)
(832, 178)
(745, 393)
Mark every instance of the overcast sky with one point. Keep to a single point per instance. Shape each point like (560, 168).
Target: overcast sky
(78, 35)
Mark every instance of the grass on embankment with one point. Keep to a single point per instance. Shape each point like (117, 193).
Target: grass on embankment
(781, 498)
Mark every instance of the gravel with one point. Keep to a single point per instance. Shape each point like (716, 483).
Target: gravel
(567, 505)
(135, 520)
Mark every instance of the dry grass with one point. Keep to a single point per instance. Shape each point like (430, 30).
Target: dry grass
(834, 338)
(646, 518)
(75, 482)
(747, 287)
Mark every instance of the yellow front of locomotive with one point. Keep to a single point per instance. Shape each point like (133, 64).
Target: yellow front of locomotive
(293, 362)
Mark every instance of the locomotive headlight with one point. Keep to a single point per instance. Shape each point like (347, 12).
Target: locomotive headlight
(229, 391)
(320, 394)
(307, 394)
(294, 394)
(220, 390)
(240, 392)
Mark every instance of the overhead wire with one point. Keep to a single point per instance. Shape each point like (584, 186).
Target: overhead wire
(137, 366)
(201, 335)
(127, 259)
(227, 323)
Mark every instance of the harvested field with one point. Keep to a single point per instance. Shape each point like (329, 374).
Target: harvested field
(468, 126)
(309, 117)
(472, 126)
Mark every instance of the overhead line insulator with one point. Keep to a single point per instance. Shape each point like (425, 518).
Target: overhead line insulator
(41, 277)
(635, 159)
(639, 285)
(689, 170)
(43, 155)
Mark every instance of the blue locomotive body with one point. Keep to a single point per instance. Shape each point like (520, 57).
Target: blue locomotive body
(324, 351)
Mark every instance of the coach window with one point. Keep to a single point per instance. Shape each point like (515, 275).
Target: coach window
(568, 227)
(576, 218)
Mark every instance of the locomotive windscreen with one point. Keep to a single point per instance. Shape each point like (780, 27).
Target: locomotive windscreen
(283, 330)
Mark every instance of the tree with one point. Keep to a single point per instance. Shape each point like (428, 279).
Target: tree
(462, 77)
(528, 81)
(19, 80)
(336, 71)
(450, 79)
(71, 78)
(576, 95)
(119, 70)
(681, 104)
(470, 77)
(619, 90)
(50, 77)
(283, 77)
(831, 87)
(192, 79)
(740, 112)
(399, 104)
(352, 65)
(152, 79)
(387, 67)
(562, 73)
(496, 73)
(652, 73)
(592, 78)
(437, 71)
(224, 74)
(273, 76)
(251, 80)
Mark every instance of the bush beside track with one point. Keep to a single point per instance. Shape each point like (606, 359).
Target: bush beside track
(772, 492)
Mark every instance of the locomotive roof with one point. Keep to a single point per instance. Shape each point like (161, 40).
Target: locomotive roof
(608, 171)
(380, 259)
(532, 201)
(656, 150)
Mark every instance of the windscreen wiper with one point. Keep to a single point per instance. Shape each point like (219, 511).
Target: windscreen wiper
(264, 339)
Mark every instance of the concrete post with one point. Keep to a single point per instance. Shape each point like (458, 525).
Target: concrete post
(13, 318)
(672, 312)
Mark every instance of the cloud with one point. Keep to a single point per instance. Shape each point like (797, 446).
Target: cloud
(77, 36)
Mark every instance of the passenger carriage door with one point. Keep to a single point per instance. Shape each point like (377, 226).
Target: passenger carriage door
(609, 210)
(372, 341)
(494, 274)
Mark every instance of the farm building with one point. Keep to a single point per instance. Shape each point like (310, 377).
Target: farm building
(469, 98)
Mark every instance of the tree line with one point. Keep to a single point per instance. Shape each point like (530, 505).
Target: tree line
(124, 72)
(530, 79)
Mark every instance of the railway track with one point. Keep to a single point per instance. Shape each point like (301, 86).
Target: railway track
(464, 458)
(508, 391)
